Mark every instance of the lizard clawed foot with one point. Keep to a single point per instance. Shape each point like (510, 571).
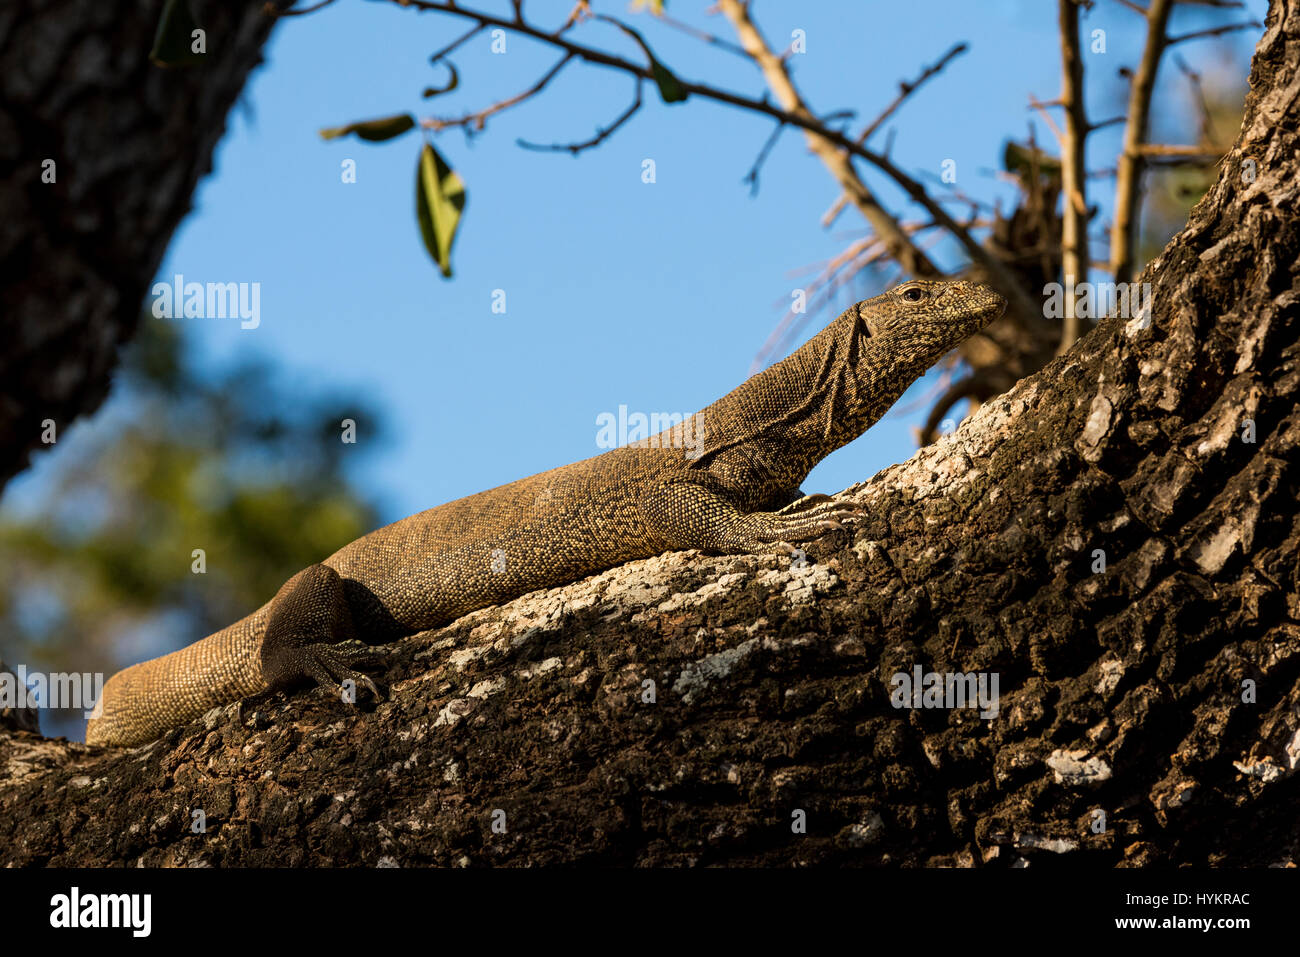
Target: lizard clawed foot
(803, 503)
(328, 666)
(822, 506)
(761, 531)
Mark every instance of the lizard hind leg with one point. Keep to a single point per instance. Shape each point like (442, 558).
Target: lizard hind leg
(310, 635)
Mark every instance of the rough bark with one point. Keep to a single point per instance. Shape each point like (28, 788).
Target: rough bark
(1121, 690)
(129, 141)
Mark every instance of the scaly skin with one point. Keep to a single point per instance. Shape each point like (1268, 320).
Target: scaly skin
(736, 490)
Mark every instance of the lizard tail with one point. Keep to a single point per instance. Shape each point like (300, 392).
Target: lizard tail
(142, 702)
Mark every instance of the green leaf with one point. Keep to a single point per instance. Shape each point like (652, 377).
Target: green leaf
(439, 201)
(385, 128)
(173, 41)
(451, 84)
(670, 88)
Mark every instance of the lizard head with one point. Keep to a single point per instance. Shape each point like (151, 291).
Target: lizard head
(919, 321)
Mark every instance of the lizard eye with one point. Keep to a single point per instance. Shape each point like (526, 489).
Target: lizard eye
(913, 294)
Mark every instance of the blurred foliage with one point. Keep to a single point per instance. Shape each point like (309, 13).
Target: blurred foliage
(1209, 114)
(98, 573)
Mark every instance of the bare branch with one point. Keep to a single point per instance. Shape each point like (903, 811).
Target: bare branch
(835, 160)
(1214, 31)
(702, 35)
(955, 195)
(1194, 78)
(602, 134)
(476, 120)
(271, 10)
(1110, 122)
(752, 176)
(1124, 232)
(1179, 150)
(581, 10)
(1022, 306)
(1202, 160)
(905, 90)
(1036, 104)
(455, 44)
(1074, 217)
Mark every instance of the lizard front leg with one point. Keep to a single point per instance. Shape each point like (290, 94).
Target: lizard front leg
(686, 515)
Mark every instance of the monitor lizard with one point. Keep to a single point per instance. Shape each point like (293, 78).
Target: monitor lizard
(725, 480)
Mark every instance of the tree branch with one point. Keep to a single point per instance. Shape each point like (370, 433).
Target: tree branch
(839, 164)
(702, 35)
(905, 90)
(454, 44)
(1124, 232)
(1074, 219)
(600, 137)
(1022, 306)
(752, 176)
(1213, 32)
(475, 121)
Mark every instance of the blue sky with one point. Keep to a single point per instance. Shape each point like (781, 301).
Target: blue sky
(654, 296)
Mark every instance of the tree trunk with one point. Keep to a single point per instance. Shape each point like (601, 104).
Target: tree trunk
(128, 142)
(691, 709)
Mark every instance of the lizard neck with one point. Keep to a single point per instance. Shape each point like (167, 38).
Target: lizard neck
(767, 434)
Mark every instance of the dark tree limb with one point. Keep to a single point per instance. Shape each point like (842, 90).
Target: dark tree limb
(77, 90)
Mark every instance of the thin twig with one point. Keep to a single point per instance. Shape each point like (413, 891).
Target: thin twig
(1194, 79)
(476, 120)
(702, 35)
(905, 90)
(1214, 32)
(1178, 149)
(270, 9)
(1035, 104)
(602, 134)
(455, 44)
(1108, 122)
(752, 176)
